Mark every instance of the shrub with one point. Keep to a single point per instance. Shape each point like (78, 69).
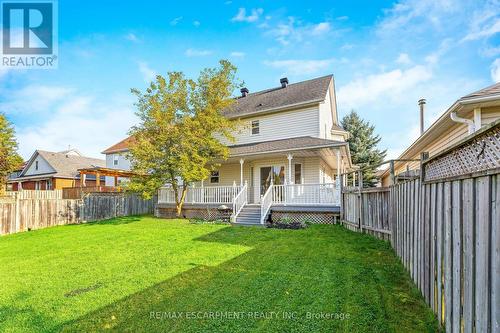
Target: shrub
(287, 223)
(202, 221)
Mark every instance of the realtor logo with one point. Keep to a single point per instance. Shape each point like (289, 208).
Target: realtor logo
(29, 31)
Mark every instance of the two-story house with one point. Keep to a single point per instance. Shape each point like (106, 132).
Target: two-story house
(288, 154)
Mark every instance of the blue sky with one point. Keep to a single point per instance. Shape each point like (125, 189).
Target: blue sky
(385, 55)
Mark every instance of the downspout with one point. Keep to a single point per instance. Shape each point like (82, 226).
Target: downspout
(457, 119)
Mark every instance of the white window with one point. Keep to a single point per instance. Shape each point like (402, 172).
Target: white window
(37, 185)
(115, 159)
(49, 184)
(214, 177)
(255, 127)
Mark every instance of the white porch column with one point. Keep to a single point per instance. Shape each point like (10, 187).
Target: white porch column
(241, 171)
(338, 167)
(289, 157)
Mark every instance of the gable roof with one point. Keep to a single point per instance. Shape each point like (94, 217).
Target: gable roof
(298, 143)
(294, 94)
(490, 94)
(120, 146)
(269, 100)
(65, 165)
(492, 90)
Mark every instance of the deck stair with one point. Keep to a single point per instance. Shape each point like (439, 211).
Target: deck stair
(249, 215)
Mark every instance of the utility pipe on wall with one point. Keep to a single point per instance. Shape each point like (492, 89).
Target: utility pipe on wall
(457, 119)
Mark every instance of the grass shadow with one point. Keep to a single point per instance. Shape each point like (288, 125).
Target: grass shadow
(320, 270)
(117, 220)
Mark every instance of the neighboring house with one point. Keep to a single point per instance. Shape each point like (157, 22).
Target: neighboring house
(115, 159)
(288, 154)
(50, 171)
(464, 117)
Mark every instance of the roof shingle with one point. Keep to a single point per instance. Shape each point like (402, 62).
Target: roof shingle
(488, 91)
(67, 165)
(303, 142)
(293, 94)
(120, 146)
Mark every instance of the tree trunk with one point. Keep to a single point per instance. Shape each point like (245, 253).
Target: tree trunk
(179, 203)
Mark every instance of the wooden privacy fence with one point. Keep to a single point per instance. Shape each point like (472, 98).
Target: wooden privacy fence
(367, 210)
(444, 226)
(17, 215)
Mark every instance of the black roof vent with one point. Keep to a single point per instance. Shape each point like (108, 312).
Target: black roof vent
(284, 82)
(244, 92)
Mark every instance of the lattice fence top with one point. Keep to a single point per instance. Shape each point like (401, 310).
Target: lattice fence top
(477, 154)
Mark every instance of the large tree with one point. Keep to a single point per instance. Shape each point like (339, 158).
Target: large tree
(363, 145)
(9, 158)
(181, 122)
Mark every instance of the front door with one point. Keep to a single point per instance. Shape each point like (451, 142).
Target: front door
(276, 173)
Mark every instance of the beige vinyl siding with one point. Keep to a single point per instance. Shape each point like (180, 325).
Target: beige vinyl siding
(489, 115)
(281, 125)
(452, 136)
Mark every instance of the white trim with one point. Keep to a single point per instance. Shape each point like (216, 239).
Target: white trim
(340, 144)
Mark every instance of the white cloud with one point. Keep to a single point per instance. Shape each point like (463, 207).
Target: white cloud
(375, 87)
(484, 21)
(175, 21)
(320, 28)
(132, 37)
(147, 72)
(484, 31)
(241, 16)
(495, 70)
(197, 53)
(34, 99)
(294, 31)
(417, 15)
(68, 117)
(196, 23)
(237, 54)
(403, 59)
(490, 51)
(301, 67)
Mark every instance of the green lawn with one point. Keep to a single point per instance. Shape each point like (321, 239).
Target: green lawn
(145, 274)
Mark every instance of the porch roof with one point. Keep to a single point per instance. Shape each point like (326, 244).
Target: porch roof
(283, 145)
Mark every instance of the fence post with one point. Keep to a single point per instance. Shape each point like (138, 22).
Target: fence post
(423, 157)
(391, 166)
(360, 199)
(18, 212)
(341, 187)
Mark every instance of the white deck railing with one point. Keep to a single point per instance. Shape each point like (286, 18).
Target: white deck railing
(237, 196)
(306, 194)
(240, 201)
(265, 204)
(206, 195)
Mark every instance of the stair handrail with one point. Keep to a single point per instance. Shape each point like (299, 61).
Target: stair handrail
(266, 203)
(239, 201)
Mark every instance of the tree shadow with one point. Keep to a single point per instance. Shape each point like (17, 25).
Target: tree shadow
(116, 220)
(273, 287)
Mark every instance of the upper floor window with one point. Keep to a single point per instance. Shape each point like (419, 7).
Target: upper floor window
(255, 127)
(115, 159)
(214, 177)
(36, 165)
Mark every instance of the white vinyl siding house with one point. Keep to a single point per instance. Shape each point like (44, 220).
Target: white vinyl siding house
(116, 161)
(288, 140)
(281, 125)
